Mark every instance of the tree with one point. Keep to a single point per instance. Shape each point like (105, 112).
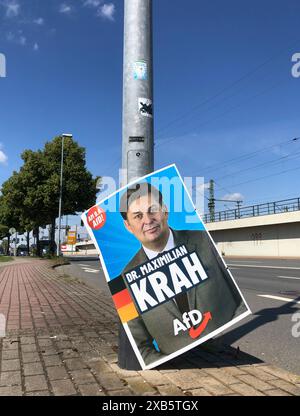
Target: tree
(4, 233)
(30, 197)
(79, 187)
(13, 211)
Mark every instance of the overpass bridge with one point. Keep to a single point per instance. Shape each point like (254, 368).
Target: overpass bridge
(265, 230)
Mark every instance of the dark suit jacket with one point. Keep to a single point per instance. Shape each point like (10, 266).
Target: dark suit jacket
(217, 294)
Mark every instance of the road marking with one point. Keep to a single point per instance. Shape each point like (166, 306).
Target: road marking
(241, 261)
(87, 270)
(288, 277)
(279, 298)
(266, 267)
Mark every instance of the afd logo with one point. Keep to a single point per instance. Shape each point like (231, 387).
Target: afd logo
(2, 66)
(189, 322)
(296, 67)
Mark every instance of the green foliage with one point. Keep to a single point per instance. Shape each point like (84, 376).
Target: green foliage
(4, 259)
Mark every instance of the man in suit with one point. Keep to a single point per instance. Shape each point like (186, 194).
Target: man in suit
(146, 217)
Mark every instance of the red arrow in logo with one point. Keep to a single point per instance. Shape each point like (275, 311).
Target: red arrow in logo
(195, 333)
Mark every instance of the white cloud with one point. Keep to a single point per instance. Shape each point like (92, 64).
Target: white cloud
(202, 187)
(22, 40)
(17, 38)
(236, 196)
(10, 36)
(36, 47)
(65, 8)
(107, 11)
(39, 21)
(12, 8)
(92, 3)
(3, 157)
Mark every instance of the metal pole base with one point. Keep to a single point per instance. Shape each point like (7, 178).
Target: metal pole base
(126, 358)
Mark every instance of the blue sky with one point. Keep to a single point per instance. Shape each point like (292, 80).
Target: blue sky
(223, 88)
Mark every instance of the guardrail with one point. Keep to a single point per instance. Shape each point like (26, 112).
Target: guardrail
(276, 207)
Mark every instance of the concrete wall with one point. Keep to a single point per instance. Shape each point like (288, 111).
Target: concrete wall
(277, 240)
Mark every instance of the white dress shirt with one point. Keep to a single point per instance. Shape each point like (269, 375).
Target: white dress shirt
(170, 244)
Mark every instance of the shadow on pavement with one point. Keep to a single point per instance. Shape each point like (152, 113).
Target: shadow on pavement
(259, 319)
(219, 352)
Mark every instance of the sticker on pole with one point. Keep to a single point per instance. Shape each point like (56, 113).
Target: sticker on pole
(96, 218)
(145, 107)
(170, 286)
(140, 71)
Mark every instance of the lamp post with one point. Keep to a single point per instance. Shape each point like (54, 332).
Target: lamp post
(61, 188)
(138, 141)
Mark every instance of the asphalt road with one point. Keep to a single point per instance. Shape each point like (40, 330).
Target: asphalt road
(272, 291)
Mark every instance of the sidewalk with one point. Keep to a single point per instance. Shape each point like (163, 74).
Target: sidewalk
(62, 340)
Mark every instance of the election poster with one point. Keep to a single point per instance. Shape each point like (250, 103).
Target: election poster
(170, 286)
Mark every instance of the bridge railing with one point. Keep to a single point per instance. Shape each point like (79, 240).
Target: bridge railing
(276, 207)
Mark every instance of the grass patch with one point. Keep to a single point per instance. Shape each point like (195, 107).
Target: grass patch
(4, 259)
(58, 261)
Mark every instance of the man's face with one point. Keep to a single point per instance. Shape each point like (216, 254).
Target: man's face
(147, 220)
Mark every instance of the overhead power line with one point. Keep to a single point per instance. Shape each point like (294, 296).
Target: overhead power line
(228, 87)
(277, 85)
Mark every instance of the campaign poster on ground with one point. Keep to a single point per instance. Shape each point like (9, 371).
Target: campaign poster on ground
(170, 286)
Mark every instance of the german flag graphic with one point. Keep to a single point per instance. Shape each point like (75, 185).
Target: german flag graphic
(122, 300)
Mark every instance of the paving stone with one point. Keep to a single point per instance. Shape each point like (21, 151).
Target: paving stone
(91, 334)
(82, 376)
(10, 345)
(27, 340)
(234, 371)
(110, 381)
(46, 351)
(246, 390)
(35, 383)
(38, 393)
(99, 365)
(214, 386)
(63, 388)
(75, 364)
(90, 355)
(200, 392)
(57, 373)
(52, 360)
(10, 378)
(170, 390)
(29, 348)
(139, 386)
(30, 357)
(260, 374)
(123, 392)
(221, 375)
(10, 365)
(281, 373)
(45, 343)
(61, 345)
(120, 371)
(11, 391)
(10, 354)
(33, 369)
(285, 385)
(255, 382)
(91, 390)
(187, 379)
(154, 377)
(277, 392)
